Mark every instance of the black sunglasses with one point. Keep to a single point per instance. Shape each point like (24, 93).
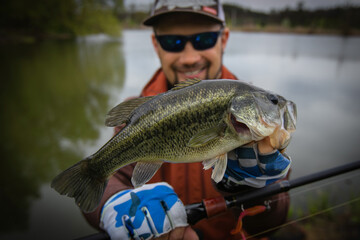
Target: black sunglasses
(176, 43)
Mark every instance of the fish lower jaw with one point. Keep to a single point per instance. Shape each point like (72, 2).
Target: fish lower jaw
(257, 134)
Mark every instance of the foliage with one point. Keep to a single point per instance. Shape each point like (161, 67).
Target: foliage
(53, 102)
(343, 20)
(43, 18)
(317, 217)
(37, 16)
(92, 19)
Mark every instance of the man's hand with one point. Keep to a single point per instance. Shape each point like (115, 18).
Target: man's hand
(151, 211)
(265, 146)
(256, 166)
(180, 233)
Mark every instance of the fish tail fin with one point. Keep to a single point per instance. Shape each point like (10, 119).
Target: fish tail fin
(79, 183)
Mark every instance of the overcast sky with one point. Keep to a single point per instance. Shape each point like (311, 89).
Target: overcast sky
(268, 5)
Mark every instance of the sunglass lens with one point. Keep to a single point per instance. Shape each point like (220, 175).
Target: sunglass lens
(204, 41)
(176, 43)
(171, 43)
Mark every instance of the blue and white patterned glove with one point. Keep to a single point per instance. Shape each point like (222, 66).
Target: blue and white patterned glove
(143, 213)
(247, 167)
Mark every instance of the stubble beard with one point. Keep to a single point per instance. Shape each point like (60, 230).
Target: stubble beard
(208, 66)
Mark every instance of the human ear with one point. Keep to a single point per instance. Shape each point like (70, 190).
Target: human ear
(224, 37)
(155, 43)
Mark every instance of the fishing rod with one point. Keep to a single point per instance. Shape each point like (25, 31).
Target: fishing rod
(214, 206)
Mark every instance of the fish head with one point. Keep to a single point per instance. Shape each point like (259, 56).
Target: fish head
(257, 114)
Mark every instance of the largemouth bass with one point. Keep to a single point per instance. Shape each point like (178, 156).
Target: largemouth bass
(195, 121)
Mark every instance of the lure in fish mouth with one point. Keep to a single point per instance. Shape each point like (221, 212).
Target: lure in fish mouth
(196, 121)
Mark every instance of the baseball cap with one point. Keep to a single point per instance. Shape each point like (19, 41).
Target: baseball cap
(209, 8)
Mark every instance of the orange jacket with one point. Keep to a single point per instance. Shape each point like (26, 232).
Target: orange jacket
(189, 180)
(191, 183)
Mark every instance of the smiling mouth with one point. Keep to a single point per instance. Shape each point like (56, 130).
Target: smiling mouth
(193, 74)
(240, 127)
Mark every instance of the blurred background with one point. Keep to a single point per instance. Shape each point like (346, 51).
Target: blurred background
(65, 63)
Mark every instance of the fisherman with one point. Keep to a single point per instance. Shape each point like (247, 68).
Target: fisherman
(189, 37)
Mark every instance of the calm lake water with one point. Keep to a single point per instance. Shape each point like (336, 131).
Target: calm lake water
(55, 94)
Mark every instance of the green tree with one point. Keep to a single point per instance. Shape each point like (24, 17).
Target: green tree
(43, 18)
(54, 97)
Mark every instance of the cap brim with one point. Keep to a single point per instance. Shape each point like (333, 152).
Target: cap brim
(150, 21)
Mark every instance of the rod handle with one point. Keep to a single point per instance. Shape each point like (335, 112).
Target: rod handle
(214, 206)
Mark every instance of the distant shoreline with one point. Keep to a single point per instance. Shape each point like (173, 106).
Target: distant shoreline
(19, 37)
(296, 30)
(278, 29)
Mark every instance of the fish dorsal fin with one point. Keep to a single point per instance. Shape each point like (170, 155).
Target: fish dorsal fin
(203, 137)
(220, 168)
(143, 172)
(121, 113)
(186, 83)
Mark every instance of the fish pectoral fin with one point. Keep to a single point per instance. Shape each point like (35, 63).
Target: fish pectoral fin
(121, 113)
(186, 83)
(203, 137)
(209, 163)
(220, 167)
(143, 172)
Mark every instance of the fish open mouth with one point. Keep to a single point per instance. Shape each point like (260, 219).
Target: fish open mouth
(239, 127)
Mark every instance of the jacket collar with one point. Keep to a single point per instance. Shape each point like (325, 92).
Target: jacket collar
(158, 83)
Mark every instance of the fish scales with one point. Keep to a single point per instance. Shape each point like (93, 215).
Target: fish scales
(163, 139)
(176, 121)
(179, 118)
(196, 121)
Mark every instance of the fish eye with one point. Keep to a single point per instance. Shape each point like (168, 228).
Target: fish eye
(274, 99)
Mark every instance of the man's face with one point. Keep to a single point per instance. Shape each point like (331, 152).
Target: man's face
(190, 63)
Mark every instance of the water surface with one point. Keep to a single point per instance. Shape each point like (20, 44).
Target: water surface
(54, 96)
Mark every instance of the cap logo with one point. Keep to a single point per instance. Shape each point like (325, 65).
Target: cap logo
(210, 10)
(196, 5)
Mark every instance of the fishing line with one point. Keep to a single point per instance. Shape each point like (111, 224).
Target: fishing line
(317, 186)
(314, 187)
(306, 217)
